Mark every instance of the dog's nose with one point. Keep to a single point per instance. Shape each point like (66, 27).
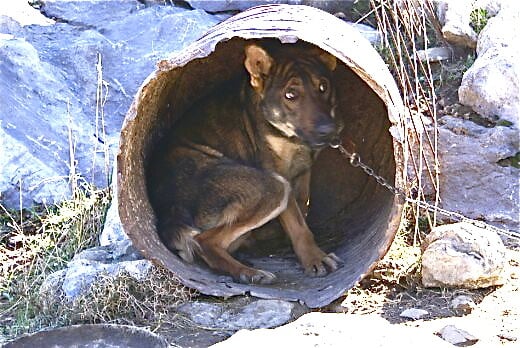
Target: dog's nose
(325, 131)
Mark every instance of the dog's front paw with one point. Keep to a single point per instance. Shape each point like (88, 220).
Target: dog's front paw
(322, 265)
(256, 276)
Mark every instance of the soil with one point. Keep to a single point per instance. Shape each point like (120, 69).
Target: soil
(494, 320)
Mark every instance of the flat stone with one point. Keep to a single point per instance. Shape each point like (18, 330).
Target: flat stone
(240, 313)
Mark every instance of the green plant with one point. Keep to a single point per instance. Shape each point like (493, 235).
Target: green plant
(512, 161)
(478, 19)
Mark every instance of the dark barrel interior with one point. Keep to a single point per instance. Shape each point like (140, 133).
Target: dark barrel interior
(350, 214)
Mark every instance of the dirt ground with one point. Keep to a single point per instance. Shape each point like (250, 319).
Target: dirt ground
(494, 320)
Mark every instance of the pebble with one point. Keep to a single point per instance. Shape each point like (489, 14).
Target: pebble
(463, 303)
(457, 337)
(413, 313)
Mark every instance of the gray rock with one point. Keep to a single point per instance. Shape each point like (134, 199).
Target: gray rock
(51, 291)
(112, 228)
(81, 12)
(454, 15)
(49, 81)
(337, 330)
(88, 266)
(463, 255)
(241, 313)
(457, 337)
(369, 33)
(81, 274)
(491, 86)
(9, 26)
(331, 6)
(472, 181)
(414, 313)
(435, 54)
(22, 13)
(463, 304)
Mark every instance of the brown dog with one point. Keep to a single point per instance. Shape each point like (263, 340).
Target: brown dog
(242, 157)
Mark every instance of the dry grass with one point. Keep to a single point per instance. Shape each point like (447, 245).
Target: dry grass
(123, 300)
(34, 244)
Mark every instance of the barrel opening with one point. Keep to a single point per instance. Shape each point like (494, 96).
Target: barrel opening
(350, 213)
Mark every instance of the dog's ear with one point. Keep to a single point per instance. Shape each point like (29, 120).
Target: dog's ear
(328, 59)
(258, 63)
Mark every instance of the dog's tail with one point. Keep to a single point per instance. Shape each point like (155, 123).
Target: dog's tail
(186, 244)
(182, 239)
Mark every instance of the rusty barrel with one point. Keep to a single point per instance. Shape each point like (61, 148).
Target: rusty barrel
(350, 214)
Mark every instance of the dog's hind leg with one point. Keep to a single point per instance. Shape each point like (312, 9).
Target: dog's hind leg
(251, 198)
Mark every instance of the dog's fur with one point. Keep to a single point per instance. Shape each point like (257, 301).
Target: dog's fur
(242, 157)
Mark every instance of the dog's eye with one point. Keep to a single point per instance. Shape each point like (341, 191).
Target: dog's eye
(323, 86)
(291, 95)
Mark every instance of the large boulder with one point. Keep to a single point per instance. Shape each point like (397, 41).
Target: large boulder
(65, 87)
(491, 86)
(475, 179)
(463, 255)
(454, 17)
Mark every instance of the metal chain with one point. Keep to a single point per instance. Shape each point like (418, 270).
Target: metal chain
(355, 161)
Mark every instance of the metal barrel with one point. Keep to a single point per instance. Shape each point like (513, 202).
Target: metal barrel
(350, 214)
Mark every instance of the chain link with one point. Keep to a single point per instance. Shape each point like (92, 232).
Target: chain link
(355, 161)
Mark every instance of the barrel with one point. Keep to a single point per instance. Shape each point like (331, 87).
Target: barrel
(350, 213)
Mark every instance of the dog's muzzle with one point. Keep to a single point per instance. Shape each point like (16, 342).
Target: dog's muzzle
(323, 135)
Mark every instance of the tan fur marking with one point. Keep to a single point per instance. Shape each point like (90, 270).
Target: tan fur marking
(258, 63)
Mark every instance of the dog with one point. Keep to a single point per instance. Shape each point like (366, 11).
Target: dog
(242, 157)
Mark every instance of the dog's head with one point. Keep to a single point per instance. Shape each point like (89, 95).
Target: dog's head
(295, 92)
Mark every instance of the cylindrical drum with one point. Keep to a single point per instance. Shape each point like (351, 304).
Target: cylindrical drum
(350, 213)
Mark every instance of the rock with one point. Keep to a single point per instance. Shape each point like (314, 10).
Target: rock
(331, 6)
(241, 313)
(22, 13)
(454, 15)
(413, 313)
(435, 54)
(472, 180)
(88, 266)
(369, 33)
(81, 13)
(58, 70)
(336, 330)
(463, 304)
(463, 255)
(491, 86)
(112, 229)
(457, 336)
